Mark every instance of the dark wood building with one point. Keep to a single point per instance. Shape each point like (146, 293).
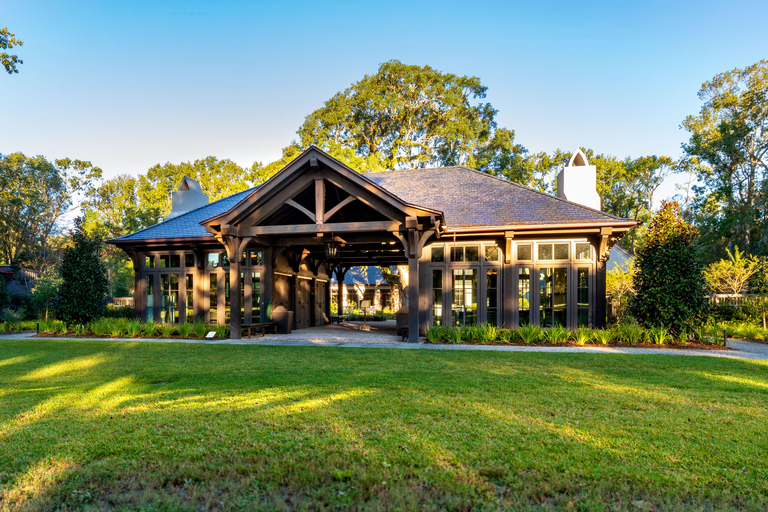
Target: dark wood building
(478, 248)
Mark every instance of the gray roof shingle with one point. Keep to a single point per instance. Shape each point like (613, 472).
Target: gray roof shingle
(187, 225)
(467, 197)
(471, 198)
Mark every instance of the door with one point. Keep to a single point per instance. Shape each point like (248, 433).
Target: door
(320, 290)
(303, 298)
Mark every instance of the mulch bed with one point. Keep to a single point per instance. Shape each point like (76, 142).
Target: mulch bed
(690, 346)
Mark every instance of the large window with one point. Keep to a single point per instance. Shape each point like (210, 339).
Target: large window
(213, 297)
(437, 296)
(169, 288)
(582, 297)
(524, 295)
(150, 297)
(189, 289)
(464, 297)
(492, 296)
(553, 287)
(255, 297)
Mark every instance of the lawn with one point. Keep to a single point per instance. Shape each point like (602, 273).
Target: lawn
(156, 426)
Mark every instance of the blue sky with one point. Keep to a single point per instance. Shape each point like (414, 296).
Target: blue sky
(131, 84)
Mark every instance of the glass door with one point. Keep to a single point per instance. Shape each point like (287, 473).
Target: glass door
(464, 297)
(553, 293)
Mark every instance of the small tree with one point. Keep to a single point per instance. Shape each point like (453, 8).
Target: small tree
(619, 287)
(731, 275)
(82, 296)
(46, 288)
(669, 286)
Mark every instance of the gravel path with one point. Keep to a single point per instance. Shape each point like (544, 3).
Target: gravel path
(383, 335)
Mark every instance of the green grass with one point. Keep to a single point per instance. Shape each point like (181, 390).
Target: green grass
(155, 426)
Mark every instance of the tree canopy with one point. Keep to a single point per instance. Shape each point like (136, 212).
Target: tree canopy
(408, 116)
(8, 41)
(34, 195)
(729, 137)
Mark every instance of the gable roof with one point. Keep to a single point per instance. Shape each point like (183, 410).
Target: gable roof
(187, 225)
(470, 198)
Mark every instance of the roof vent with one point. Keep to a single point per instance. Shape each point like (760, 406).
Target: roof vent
(577, 182)
(189, 197)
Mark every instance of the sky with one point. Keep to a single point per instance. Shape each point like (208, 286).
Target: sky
(127, 85)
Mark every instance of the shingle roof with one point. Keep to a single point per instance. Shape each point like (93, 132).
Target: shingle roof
(187, 225)
(470, 198)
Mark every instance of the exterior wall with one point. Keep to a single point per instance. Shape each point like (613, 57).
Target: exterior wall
(507, 295)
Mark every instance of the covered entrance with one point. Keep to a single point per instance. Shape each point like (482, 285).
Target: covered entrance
(314, 219)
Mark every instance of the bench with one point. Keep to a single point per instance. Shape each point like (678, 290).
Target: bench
(262, 327)
(339, 319)
(404, 332)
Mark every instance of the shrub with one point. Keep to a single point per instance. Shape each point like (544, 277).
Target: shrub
(619, 288)
(134, 328)
(83, 292)
(529, 333)
(602, 336)
(166, 330)
(222, 331)
(434, 333)
(731, 275)
(12, 315)
(490, 332)
(582, 336)
(149, 329)
(555, 335)
(669, 287)
(659, 335)
(45, 290)
(80, 329)
(200, 329)
(101, 327)
(184, 329)
(453, 335)
(629, 333)
(505, 335)
(469, 334)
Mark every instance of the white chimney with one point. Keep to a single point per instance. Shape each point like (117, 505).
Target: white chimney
(189, 196)
(577, 182)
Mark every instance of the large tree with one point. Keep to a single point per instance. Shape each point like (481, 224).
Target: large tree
(7, 41)
(407, 116)
(34, 195)
(730, 137)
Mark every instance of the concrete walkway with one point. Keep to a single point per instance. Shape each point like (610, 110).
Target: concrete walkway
(383, 335)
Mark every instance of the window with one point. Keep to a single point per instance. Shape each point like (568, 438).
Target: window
(524, 252)
(438, 254)
(242, 298)
(226, 299)
(213, 259)
(464, 297)
(491, 300)
(149, 262)
(255, 297)
(553, 284)
(524, 295)
(469, 253)
(553, 251)
(189, 260)
(583, 252)
(169, 288)
(213, 297)
(189, 289)
(256, 258)
(437, 297)
(170, 261)
(491, 253)
(582, 297)
(151, 297)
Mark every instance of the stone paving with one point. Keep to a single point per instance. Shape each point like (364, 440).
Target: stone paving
(383, 335)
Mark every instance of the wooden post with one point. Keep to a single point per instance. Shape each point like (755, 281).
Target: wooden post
(234, 298)
(413, 299)
(319, 200)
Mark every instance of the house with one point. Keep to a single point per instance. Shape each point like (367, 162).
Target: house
(478, 248)
(365, 283)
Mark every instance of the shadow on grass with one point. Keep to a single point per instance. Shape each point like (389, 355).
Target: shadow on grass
(220, 427)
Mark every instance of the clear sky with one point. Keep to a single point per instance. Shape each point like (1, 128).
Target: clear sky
(131, 84)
